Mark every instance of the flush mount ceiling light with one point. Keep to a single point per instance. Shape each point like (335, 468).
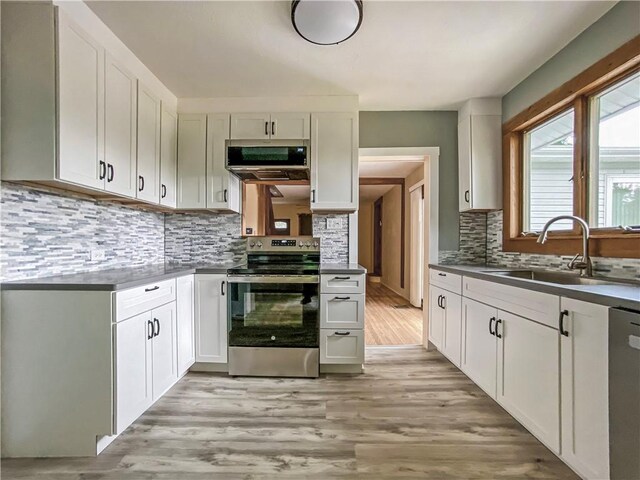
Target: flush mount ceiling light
(326, 22)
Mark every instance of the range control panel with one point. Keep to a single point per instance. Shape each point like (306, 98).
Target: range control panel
(283, 244)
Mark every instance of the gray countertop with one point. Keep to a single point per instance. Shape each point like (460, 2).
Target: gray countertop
(614, 295)
(353, 268)
(123, 278)
(116, 279)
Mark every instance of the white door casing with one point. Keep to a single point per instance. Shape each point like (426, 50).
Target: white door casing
(416, 270)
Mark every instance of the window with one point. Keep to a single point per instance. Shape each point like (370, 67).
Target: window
(282, 226)
(577, 152)
(614, 156)
(548, 173)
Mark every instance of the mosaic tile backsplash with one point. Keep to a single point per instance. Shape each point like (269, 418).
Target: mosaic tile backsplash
(334, 239)
(472, 234)
(46, 233)
(204, 237)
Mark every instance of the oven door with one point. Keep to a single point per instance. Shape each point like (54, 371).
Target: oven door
(273, 311)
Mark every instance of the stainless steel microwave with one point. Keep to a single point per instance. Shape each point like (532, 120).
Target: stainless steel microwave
(268, 161)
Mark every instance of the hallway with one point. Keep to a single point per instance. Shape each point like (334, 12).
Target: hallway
(387, 325)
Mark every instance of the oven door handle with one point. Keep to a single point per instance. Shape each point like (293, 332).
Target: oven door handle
(274, 279)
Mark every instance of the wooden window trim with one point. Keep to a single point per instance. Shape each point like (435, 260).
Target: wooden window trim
(605, 242)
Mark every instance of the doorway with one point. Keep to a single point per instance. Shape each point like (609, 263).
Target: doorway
(416, 247)
(377, 238)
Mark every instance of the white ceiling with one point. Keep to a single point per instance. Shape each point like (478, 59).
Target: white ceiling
(370, 193)
(406, 56)
(388, 169)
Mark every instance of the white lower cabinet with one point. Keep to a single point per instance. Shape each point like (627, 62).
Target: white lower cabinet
(528, 373)
(479, 347)
(211, 318)
(185, 303)
(584, 387)
(445, 320)
(163, 348)
(133, 359)
(341, 346)
(342, 311)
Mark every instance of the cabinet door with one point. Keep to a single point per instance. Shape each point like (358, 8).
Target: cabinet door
(211, 318)
(342, 311)
(223, 188)
(479, 345)
(165, 371)
(133, 371)
(584, 388)
(334, 162)
(80, 106)
(120, 97)
(486, 162)
(529, 375)
(436, 317)
(185, 301)
(341, 346)
(452, 337)
(464, 164)
(192, 161)
(168, 158)
(250, 126)
(148, 182)
(290, 126)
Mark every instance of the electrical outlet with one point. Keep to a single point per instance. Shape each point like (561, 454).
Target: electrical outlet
(334, 223)
(98, 254)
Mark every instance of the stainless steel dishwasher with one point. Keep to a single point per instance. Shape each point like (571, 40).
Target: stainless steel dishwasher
(624, 394)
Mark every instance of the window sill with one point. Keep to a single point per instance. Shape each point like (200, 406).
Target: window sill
(601, 244)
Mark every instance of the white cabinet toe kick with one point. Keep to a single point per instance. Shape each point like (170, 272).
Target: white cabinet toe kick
(542, 357)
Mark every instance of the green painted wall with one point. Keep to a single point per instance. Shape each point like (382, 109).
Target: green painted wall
(423, 129)
(613, 29)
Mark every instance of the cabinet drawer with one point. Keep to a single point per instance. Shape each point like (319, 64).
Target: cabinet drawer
(337, 283)
(538, 306)
(141, 299)
(342, 311)
(341, 346)
(446, 280)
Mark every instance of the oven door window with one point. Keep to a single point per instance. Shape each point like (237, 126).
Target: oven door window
(273, 315)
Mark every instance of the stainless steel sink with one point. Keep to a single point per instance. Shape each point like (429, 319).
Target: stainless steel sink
(557, 277)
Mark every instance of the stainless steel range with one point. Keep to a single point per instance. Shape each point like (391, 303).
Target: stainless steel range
(274, 309)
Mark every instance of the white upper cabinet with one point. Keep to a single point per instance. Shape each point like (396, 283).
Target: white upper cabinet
(80, 106)
(168, 158)
(192, 158)
(480, 155)
(290, 126)
(584, 378)
(334, 162)
(224, 190)
(265, 126)
(148, 187)
(250, 126)
(120, 99)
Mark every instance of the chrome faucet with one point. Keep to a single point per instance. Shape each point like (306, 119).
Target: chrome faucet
(584, 264)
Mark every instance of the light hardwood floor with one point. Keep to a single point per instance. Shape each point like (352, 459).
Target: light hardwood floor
(412, 414)
(386, 325)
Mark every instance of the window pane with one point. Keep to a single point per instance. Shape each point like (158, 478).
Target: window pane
(614, 170)
(548, 173)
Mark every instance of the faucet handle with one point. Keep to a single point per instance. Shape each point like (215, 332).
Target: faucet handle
(575, 264)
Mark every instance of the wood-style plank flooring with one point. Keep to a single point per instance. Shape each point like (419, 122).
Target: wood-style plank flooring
(412, 414)
(386, 325)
